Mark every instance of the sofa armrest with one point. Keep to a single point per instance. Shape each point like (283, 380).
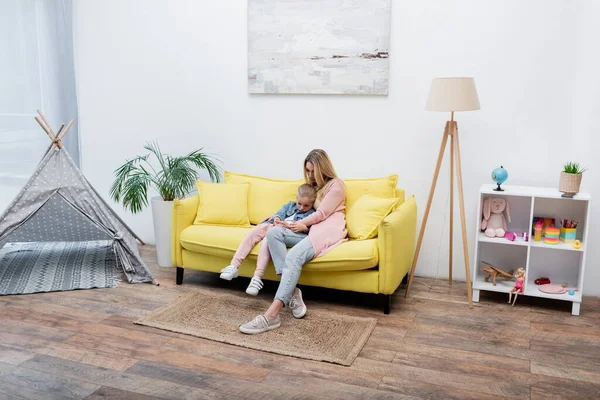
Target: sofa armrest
(396, 243)
(184, 213)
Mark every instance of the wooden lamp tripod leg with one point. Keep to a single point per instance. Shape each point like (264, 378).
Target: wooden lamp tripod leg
(428, 207)
(451, 240)
(454, 132)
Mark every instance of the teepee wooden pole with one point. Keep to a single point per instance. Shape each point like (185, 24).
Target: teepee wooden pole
(46, 122)
(51, 136)
(66, 130)
(60, 130)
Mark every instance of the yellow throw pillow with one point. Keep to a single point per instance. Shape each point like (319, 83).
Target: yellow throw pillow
(363, 218)
(221, 204)
(380, 187)
(265, 196)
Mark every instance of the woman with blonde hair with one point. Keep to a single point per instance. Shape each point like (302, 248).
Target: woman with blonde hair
(327, 230)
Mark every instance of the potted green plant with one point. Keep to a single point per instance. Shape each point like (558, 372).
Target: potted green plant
(172, 177)
(570, 179)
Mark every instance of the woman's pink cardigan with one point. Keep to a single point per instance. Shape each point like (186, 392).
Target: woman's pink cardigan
(328, 223)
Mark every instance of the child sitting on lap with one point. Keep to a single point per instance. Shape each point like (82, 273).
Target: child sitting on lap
(291, 211)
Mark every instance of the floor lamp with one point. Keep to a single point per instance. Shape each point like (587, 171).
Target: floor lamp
(449, 95)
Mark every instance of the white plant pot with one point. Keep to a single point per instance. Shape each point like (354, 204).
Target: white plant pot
(162, 217)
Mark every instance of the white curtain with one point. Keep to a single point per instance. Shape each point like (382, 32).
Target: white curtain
(36, 72)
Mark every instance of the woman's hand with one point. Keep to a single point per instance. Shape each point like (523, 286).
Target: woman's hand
(298, 227)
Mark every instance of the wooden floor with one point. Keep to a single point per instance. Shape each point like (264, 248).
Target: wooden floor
(83, 344)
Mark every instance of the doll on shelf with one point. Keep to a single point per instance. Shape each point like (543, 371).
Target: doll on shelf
(518, 288)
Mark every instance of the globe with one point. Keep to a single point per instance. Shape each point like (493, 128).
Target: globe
(499, 175)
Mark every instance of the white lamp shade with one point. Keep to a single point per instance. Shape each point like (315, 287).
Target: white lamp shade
(452, 94)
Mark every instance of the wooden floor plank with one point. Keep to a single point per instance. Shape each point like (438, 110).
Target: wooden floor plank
(33, 302)
(567, 372)
(183, 359)
(220, 384)
(46, 381)
(410, 387)
(13, 356)
(33, 330)
(66, 351)
(477, 358)
(9, 391)
(555, 392)
(472, 383)
(106, 392)
(270, 361)
(336, 390)
(118, 380)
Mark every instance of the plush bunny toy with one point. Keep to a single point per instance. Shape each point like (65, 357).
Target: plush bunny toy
(493, 222)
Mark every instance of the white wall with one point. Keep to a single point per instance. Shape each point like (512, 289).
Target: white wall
(176, 72)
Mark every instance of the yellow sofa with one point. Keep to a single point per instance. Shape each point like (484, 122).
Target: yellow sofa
(376, 265)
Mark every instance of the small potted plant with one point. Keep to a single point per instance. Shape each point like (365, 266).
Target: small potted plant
(570, 179)
(172, 177)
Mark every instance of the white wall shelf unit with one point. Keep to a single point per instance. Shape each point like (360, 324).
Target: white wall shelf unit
(560, 263)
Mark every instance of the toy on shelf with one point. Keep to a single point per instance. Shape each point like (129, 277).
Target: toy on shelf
(546, 222)
(499, 175)
(494, 222)
(557, 289)
(518, 288)
(512, 236)
(542, 281)
(494, 272)
(551, 235)
(537, 231)
(577, 244)
(568, 230)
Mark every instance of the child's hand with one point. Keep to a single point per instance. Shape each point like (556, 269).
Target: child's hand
(298, 227)
(279, 222)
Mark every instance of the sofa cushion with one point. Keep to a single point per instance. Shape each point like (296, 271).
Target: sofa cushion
(265, 196)
(362, 220)
(223, 241)
(222, 204)
(380, 187)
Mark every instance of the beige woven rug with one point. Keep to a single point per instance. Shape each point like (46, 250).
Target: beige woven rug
(320, 335)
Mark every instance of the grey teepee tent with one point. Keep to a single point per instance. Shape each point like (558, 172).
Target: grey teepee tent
(58, 204)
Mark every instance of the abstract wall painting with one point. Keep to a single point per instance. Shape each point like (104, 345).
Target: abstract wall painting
(319, 46)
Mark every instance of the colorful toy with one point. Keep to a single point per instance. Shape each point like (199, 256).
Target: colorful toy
(499, 175)
(518, 288)
(542, 281)
(546, 222)
(494, 222)
(568, 230)
(537, 235)
(577, 244)
(512, 236)
(494, 272)
(551, 235)
(556, 289)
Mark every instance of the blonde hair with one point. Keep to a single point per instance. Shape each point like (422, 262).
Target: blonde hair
(307, 191)
(323, 168)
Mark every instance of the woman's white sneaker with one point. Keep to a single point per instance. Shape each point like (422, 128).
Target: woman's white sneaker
(297, 304)
(260, 324)
(229, 272)
(254, 287)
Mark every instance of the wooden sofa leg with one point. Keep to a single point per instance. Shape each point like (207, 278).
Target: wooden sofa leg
(179, 275)
(387, 300)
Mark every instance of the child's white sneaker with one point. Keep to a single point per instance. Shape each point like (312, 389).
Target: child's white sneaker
(229, 272)
(254, 287)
